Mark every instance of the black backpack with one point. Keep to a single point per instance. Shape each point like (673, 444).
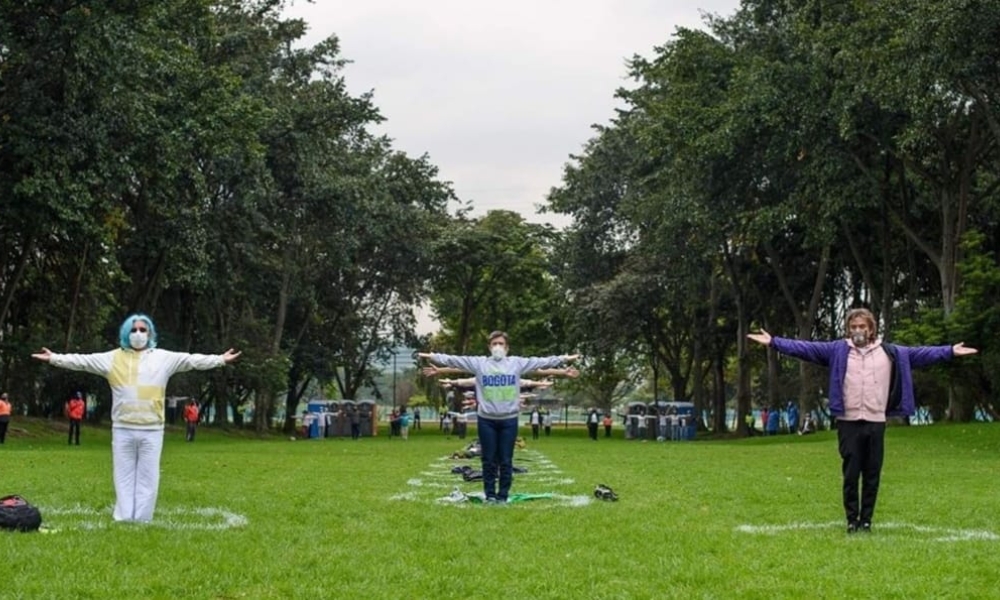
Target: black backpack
(17, 514)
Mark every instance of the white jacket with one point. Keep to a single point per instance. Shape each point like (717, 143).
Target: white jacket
(138, 379)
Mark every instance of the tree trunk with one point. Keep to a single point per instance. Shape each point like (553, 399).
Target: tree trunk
(719, 424)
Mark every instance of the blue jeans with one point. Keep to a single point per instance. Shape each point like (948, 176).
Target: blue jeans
(496, 439)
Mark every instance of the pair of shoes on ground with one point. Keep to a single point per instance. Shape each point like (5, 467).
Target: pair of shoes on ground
(859, 527)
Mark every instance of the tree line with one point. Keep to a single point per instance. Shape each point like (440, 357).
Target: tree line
(791, 161)
(190, 159)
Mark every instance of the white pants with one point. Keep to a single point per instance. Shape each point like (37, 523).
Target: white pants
(136, 461)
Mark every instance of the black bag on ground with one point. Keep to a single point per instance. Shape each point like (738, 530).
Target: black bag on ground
(17, 514)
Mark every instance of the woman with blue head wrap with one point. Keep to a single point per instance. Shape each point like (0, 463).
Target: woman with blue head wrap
(138, 373)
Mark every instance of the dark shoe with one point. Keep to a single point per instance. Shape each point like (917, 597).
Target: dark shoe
(603, 492)
(865, 527)
(852, 527)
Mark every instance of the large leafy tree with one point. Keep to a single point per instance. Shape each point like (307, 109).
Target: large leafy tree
(495, 272)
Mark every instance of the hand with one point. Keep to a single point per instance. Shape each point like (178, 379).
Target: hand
(230, 355)
(572, 372)
(960, 349)
(570, 357)
(763, 338)
(469, 403)
(423, 354)
(45, 355)
(430, 371)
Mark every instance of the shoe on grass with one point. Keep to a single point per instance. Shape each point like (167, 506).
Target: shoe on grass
(603, 492)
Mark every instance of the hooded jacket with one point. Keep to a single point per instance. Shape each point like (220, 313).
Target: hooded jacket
(498, 382)
(833, 354)
(138, 379)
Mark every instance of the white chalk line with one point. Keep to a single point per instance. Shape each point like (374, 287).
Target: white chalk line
(450, 482)
(215, 519)
(937, 534)
(540, 471)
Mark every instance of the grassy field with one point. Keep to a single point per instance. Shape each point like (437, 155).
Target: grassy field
(757, 518)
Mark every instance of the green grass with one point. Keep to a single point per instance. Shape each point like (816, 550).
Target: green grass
(335, 518)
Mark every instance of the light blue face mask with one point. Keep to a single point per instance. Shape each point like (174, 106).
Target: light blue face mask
(498, 352)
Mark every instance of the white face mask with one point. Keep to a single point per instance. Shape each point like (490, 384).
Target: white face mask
(860, 338)
(498, 352)
(138, 339)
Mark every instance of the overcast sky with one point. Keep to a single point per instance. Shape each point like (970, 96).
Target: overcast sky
(498, 94)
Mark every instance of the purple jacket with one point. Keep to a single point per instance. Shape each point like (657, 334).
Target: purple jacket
(834, 355)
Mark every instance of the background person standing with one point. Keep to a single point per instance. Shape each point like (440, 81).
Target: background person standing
(354, 415)
(75, 407)
(191, 416)
(592, 421)
(404, 423)
(4, 416)
(535, 420)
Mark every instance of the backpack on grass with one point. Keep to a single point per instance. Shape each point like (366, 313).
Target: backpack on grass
(17, 514)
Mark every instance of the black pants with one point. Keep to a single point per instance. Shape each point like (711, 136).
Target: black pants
(355, 430)
(191, 426)
(592, 430)
(862, 448)
(534, 431)
(4, 421)
(74, 428)
(607, 431)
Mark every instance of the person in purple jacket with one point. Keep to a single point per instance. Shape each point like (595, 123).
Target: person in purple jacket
(498, 391)
(869, 380)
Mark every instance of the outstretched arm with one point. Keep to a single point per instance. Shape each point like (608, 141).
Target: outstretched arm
(98, 364)
(531, 383)
(434, 371)
(815, 352)
(923, 356)
(571, 372)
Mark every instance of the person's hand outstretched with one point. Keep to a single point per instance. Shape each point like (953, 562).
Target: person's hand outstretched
(960, 349)
(763, 338)
(45, 355)
(230, 355)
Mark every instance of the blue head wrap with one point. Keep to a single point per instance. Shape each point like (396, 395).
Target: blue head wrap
(126, 329)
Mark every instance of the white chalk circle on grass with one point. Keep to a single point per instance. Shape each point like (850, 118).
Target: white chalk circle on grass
(934, 534)
(198, 519)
